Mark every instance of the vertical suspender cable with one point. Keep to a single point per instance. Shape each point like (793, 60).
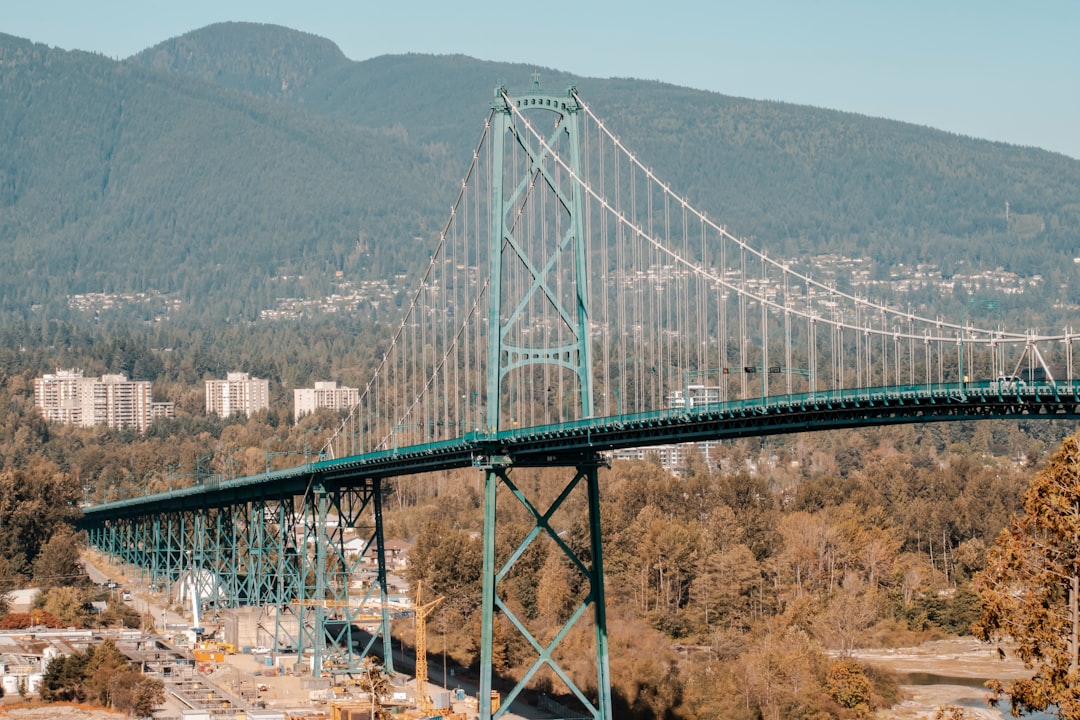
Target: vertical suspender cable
(743, 339)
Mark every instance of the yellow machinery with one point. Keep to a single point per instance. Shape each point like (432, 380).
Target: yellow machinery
(423, 702)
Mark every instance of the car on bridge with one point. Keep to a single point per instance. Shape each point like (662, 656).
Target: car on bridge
(1007, 383)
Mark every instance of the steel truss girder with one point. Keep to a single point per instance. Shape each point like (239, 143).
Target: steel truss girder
(271, 550)
(779, 414)
(326, 614)
(586, 472)
(777, 418)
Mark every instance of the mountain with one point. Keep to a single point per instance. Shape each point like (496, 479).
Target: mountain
(114, 178)
(240, 163)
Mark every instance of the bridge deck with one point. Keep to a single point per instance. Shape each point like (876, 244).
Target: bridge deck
(575, 442)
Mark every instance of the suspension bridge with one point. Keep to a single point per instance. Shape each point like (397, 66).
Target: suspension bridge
(574, 305)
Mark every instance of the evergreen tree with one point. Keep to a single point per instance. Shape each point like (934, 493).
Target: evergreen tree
(58, 562)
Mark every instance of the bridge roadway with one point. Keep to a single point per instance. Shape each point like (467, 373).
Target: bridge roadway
(569, 444)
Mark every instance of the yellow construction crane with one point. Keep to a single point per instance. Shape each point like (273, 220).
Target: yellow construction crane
(423, 702)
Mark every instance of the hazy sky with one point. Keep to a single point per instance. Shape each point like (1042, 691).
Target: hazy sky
(1007, 71)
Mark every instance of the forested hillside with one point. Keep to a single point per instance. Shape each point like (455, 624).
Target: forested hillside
(215, 169)
(153, 210)
(118, 179)
(799, 179)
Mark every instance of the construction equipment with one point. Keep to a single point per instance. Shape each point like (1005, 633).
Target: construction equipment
(423, 702)
(207, 655)
(350, 710)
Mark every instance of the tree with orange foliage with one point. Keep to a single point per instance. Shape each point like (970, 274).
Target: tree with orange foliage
(1030, 591)
(22, 621)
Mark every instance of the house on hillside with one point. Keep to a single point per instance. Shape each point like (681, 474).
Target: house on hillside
(397, 553)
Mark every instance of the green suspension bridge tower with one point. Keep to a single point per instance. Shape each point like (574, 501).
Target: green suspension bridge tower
(555, 269)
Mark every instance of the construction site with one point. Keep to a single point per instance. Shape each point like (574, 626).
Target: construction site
(222, 664)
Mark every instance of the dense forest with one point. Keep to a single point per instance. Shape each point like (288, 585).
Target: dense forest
(239, 164)
(737, 593)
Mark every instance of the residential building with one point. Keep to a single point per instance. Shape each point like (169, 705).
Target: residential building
(60, 395)
(237, 394)
(693, 396)
(323, 395)
(122, 403)
(162, 410)
(113, 400)
(673, 457)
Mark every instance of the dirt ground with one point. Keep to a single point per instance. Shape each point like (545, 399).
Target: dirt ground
(56, 712)
(963, 660)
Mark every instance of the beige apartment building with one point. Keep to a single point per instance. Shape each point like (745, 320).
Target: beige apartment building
(325, 394)
(69, 398)
(237, 394)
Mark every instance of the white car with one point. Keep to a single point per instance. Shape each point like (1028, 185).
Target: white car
(1007, 383)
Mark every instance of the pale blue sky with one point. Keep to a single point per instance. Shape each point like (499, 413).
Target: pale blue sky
(1007, 71)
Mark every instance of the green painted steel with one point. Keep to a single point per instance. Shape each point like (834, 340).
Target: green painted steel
(822, 410)
(596, 579)
(317, 609)
(501, 117)
(504, 356)
(252, 535)
(256, 553)
(380, 559)
(592, 568)
(487, 601)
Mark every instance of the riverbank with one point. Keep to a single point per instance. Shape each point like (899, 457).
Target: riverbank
(941, 673)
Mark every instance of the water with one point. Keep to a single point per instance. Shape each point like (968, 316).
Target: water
(977, 699)
(933, 679)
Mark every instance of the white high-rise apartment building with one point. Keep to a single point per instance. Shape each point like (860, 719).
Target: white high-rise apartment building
(325, 394)
(237, 394)
(68, 397)
(60, 396)
(119, 402)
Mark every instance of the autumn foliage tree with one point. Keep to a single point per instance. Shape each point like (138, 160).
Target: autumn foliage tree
(847, 684)
(1030, 590)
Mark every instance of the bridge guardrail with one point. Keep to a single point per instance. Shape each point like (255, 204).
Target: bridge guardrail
(479, 442)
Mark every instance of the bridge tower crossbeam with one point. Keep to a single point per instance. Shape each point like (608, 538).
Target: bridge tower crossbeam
(548, 263)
